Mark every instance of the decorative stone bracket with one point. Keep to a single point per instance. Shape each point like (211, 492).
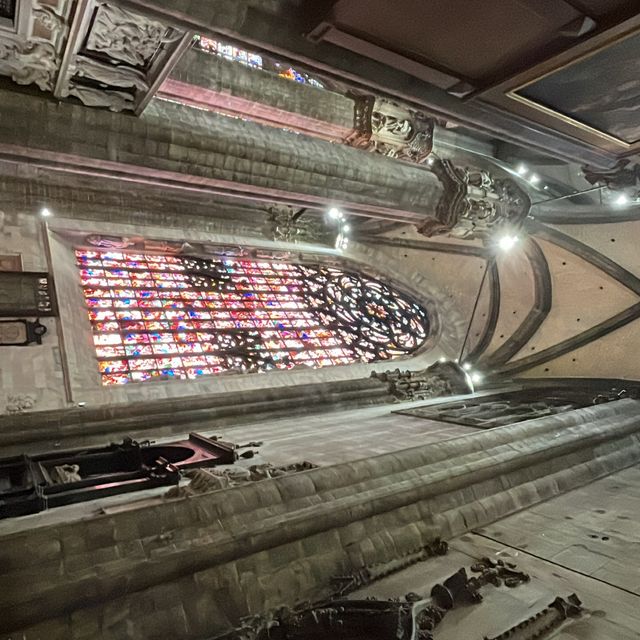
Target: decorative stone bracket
(386, 128)
(475, 204)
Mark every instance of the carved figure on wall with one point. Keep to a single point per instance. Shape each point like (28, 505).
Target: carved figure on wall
(287, 224)
(384, 127)
(114, 100)
(29, 63)
(127, 36)
(109, 242)
(19, 403)
(110, 75)
(474, 203)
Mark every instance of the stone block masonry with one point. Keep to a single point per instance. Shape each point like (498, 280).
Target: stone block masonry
(191, 568)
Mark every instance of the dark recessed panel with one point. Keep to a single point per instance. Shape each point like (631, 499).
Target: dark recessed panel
(8, 9)
(601, 91)
(469, 39)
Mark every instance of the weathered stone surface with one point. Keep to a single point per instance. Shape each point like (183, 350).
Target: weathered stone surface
(293, 545)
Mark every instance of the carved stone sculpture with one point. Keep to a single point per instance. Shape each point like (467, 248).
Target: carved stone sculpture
(19, 403)
(440, 379)
(475, 204)
(382, 126)
(623, 177)
(286, 224)
(92, 97)
(127, 36)
(29, 63)
(110, 75)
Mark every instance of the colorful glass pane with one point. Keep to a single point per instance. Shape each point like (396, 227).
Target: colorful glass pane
(180, 317)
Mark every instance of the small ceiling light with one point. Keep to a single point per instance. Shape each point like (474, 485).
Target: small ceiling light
(522, 169)
(430, 161)
(443, 359)
(45, 213)
(546, 186)
(506, 243)
(335, 213)
(346, 228)
(476, 377)
(466, 366)
(534, 179)
(621, 200)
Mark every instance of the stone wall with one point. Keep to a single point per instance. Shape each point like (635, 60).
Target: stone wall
(38, 370)
(192, 567)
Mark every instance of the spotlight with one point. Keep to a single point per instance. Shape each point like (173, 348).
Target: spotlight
(443, 359)
(346, 228)
(466, 366)
(534, 179)
(476, 377)
(506, 243)
(522, 169)
(335, 213)
(621, 200)
(45, 213)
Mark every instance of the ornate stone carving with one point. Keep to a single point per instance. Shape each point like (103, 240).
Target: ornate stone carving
(92, 97)
(127, 36)
(384, 127)
(29, 63)
(286, 224)
(623, 177)
(475, 204)
(110, 75)
(19, 403)
(440, 379)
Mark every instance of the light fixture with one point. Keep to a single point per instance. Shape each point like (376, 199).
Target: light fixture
(430, 161)
(476, 377)
(335, 213)
(522, 169)
(443, 359)
(534, 179)
(506, 243)
(622, 199)
(45, 213)
(346, 228)
(466, 366)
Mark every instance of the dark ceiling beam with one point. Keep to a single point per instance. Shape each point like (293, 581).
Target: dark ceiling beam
(494, 312)
(571, 344)
(426, 245)
(538, 313)
(585, 214)
(273, 34)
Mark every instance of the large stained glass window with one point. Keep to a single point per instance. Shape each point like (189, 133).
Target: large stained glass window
(168, 316)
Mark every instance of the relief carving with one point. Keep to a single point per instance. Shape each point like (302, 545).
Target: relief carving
(110, 74)
(29, 63)
(127, 36)
(286, 224)
(386, 128)
(92, 97)
(475, 203)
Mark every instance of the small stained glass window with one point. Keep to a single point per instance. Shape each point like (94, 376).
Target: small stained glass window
(164, 316)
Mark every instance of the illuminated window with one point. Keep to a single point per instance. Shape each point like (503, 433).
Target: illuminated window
(165, 316)
(253, 60)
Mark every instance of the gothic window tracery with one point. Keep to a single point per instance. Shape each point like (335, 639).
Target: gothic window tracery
(180, 317)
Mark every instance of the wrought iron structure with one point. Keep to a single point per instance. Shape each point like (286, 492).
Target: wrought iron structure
(29, 484)
(170, 316)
